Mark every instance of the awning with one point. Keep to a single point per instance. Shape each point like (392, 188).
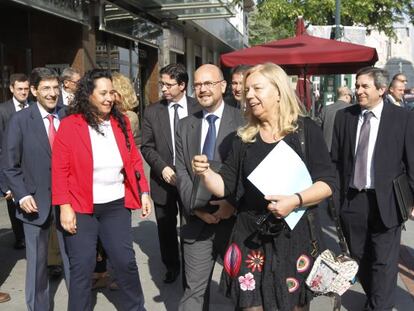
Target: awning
(188, 9)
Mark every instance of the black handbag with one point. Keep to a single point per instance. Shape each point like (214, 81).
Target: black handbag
(404, 196)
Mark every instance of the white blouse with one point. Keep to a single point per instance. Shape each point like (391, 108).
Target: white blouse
(108, 180)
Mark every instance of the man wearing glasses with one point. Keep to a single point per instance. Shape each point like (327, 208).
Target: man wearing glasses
(158, 149)
(69, 79)
(26, 161)
(206, 229)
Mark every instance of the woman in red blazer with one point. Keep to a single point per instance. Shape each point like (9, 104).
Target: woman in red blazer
(95, 165)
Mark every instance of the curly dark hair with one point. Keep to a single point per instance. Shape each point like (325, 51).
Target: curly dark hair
(81, 104)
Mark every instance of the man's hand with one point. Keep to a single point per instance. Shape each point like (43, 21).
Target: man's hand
(225, 211)
(200, 164)
(8, 195)
(168, 175)
(68, 218)
(29, 205)
(206, 217)
(146, 203)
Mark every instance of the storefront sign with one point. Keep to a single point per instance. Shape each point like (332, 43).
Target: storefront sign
(75, 10)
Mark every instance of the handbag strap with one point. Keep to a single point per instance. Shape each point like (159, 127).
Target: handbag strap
(310, 216)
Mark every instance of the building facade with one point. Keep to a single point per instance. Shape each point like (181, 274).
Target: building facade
(135, 38)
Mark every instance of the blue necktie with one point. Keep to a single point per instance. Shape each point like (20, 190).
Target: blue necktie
(210, 142)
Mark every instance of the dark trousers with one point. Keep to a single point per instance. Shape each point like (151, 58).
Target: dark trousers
(374, 246)
(166, 216)
(111, 222)
(17, 225)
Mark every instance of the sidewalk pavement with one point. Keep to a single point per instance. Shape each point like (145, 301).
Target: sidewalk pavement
(160, 296)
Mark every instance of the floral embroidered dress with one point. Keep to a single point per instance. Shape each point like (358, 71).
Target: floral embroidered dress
(269, 270)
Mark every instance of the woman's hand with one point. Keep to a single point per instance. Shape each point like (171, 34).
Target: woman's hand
(68, 218)
(282, 205)
(200, 164)
(146, 205)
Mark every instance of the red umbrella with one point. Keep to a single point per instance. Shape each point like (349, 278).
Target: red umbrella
(306, 54)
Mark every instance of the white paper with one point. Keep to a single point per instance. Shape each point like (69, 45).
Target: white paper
(282, 172)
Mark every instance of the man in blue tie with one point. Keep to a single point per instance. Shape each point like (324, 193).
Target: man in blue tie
(205, 231)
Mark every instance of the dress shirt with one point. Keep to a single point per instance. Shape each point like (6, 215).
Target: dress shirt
(182, 113)
(373, 133)
(204, 124)
(44, 115)
(108, 180)
(66, 96)
(17, 104)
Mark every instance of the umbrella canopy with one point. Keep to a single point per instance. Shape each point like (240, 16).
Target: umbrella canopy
(305, 54)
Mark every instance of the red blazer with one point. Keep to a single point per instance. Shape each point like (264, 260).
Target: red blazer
(72, 166)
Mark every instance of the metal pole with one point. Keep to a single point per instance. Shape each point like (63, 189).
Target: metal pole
(337, 37)
(337, 19)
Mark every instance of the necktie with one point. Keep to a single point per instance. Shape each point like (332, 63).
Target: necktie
(210, 142)
(21, 105)
(360, 167)
(52, 129)
(176, 117)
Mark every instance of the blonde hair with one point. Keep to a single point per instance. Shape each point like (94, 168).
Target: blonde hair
(124, 88)
(289, 105)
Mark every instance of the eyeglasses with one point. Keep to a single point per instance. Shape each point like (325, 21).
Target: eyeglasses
(75, 82)
(167, 85)
(48, 89)
(235, 83)
(207, 84)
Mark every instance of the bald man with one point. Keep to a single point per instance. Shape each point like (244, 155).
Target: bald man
(396, 92)
(206, 229)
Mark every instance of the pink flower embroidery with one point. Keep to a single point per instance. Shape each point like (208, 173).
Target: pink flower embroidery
(247, 282)
(255, 261)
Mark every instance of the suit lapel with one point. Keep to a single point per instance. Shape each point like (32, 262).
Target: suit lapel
(83, 131)
(39, 129)
(352, 129)
(120, 140)
(226, 126)
(194, 143)
(164, 123)
(383, 130)
(10, 107)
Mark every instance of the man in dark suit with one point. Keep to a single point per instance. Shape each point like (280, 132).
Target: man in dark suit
(19, 87)
(69, 79)
(158, 149)
(373, 143)
(204, 233)
(26, 163)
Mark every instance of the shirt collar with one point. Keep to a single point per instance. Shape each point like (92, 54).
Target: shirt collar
(17, 103)
(218, 112)
(377, 110)
(44, 113)
(182, 102)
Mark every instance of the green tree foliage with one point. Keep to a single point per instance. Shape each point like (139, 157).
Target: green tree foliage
(279, 16)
